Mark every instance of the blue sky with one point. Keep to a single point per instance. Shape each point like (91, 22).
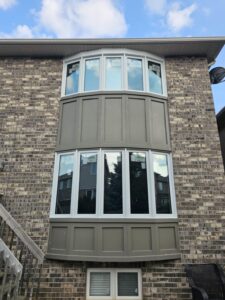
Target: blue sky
(116, 18)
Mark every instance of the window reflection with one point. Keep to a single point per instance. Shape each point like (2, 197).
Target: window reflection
(138, 183)
(135, 74)
(113, 73)
(113, 183)
(162, 187)
(64, 187)
(72, 78)
(128, 284)
(155, 78)
(87, 185)
(91, 79)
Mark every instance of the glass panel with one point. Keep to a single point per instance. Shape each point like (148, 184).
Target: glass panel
(87, 185)
(64, 187)
(99, 284)
(113, 183)
(72, 78)
(113, 73)
(135, 74)
(162, 187)
(128, 284)
(155, 78)
(91, 80)
(138, 183)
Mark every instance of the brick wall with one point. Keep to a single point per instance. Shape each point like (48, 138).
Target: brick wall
(29, 104)
(29, 96)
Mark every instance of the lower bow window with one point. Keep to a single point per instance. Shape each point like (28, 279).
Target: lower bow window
(121, 183)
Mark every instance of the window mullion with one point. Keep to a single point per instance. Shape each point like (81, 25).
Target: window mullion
(63, 90)
(55, 183)
(127, 183)
(75, 189)
(125, 75)
(73, 192)
(146, 75)
(81, 78)
(152, 185)
(101, 72)
(172, 186)
(163, 74)
(100, 184)
(113, 284)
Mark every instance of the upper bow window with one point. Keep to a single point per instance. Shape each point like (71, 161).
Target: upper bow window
(114, 70)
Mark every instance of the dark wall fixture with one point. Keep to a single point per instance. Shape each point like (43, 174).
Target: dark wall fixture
(217, 75)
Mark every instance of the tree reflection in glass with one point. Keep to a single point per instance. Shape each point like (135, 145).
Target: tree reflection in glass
(113, 183)
(155, 77)
(162, 186)
(87, 184)
(138, 183)
(64, 187)
(72, 78)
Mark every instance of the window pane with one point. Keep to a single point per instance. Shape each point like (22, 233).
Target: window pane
(113, 183)
(99, 284)
(155, 78)
(87, 185)
(162, 187)
(91, 80)
(128, 284)
(138, 183)
(72, 78)
(135, 74)
(113, 73)
(64, 189)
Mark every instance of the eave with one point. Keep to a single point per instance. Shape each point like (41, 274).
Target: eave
(164, 47)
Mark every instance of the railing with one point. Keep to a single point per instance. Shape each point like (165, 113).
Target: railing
(11, 273)
(25, 250)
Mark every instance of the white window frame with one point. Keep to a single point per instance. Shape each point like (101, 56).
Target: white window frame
(114, 284)
(124, 54)
(125, 185)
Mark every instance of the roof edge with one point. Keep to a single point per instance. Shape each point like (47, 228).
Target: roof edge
(112, 40)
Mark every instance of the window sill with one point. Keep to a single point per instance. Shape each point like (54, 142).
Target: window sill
(121, 92)
(165, 219)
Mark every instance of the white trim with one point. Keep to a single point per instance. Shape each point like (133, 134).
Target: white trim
(124, 54)
(55, 186)
(171, 185)
(125, 185)
(114, 284)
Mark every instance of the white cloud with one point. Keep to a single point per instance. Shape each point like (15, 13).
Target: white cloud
(5, 4)
(82, 18)
(20, 32)
(156, 6)
(178, 18)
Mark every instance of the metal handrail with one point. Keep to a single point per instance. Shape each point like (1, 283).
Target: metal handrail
(21, 234)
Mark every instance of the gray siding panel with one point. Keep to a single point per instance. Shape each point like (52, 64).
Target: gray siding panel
(159, 126)
(124, 120)
(136, 121)
(113, 119)
(68, 124)
(106, 241)
(89, 121)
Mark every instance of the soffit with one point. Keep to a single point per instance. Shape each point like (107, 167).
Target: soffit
(166, 47)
